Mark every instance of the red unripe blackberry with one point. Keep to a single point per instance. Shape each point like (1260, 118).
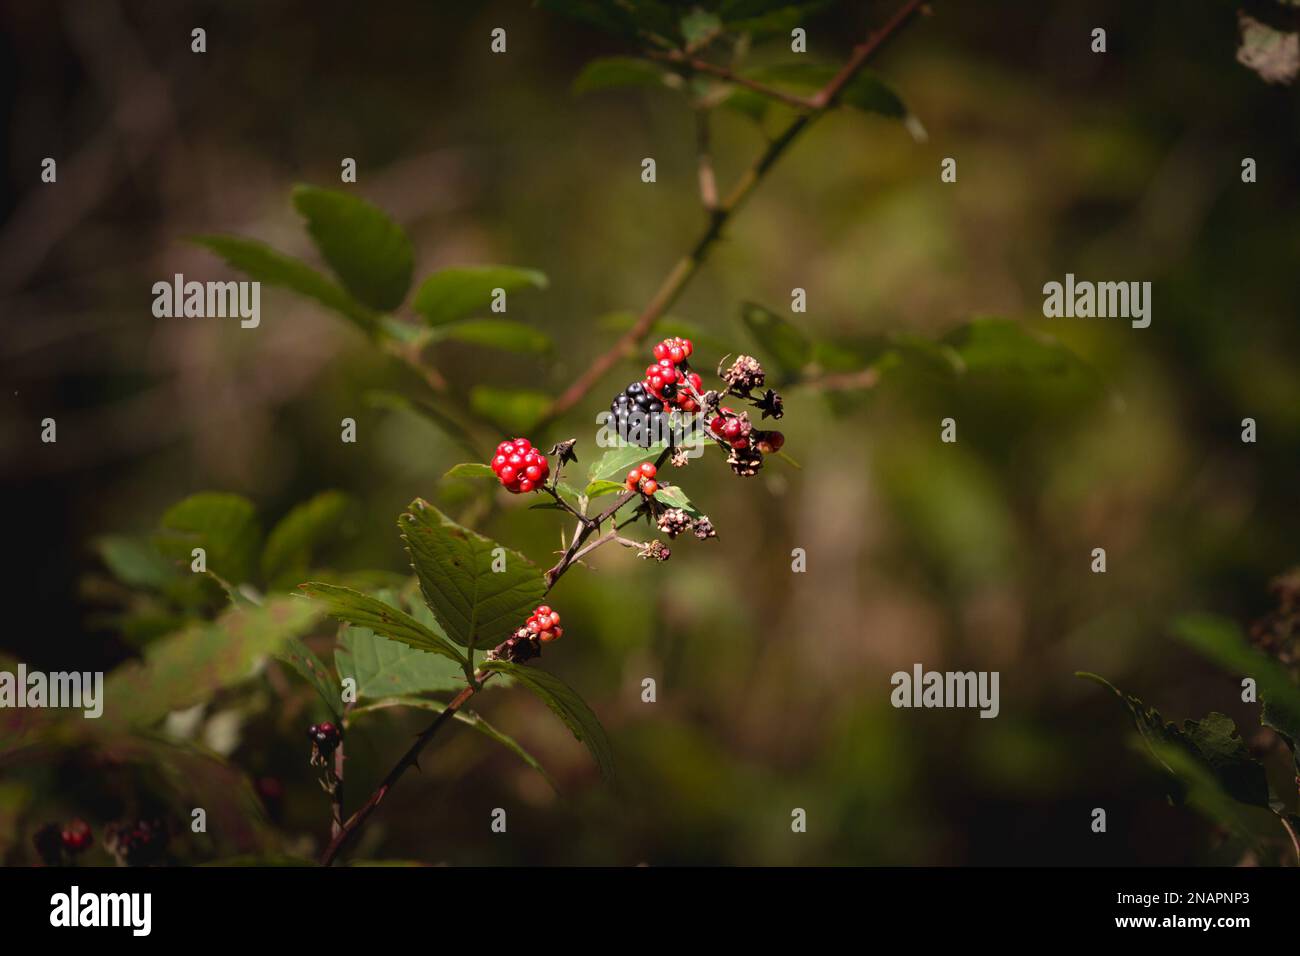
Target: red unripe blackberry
(768, 442)
(647, 468)
(649, 486)
(519, 466)
(77, 836)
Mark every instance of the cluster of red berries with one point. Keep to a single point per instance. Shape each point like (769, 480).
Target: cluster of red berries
(326, 737)
(542, 627)
(737, 432)
(670, 378)
(642, 479)
(138, 844)
(57, 844)
(545, 623)
(520, 467)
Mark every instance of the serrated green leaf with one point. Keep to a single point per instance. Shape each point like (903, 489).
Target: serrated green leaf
(313, 670)
(135, 561)
(504, 334)
(476, 605)
(514, 410)
(459, 293)
(618, 71)
(224, 525)
(568, 706)
(1220, 640)
(261, 262)
(384, 668)
(470, 469)
(370, 253)
(788, 346)
(604, 487)
(289, 546)
(1212, 742)
(189, 667)
(353, 607)
(617, 462)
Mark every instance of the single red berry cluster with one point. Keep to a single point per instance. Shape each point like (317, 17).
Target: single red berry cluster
(138, 844)
(732, 428)
(520, 467)
(58, 845)
(542, 627)
(77, 836)
(642, 479)
(670, 378)
(325, 736)
(545, 623)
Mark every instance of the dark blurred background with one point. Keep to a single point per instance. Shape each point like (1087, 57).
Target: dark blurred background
(773, 687)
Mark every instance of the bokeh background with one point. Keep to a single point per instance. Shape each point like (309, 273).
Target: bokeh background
(773, 687)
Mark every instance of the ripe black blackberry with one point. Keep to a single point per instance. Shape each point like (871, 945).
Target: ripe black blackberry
(638, 417)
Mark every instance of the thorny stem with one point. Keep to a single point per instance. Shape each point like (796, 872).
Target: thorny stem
(669, 290)
(685, 268)
(409, 759)
(336, 794)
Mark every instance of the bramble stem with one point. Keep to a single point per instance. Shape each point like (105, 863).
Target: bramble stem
(685, 268)
(669, 290)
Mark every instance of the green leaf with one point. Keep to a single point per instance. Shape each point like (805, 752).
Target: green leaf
(459, 293)
(626, 18)
(604, 487)
(698, 26)
(997, 346)
(768, 18)
(384, 668)
(313, 670)
(353, 607)
(470, 469)
(369, 252)
(1212, 743)
(1220, 640)
(617, 71)
(134, 561)
(477, 606)
(289, 547)
(514, 410)
(674, 497)
(568, 706)
(261, 262)
(189, 667)
(392, 401)
(789, 347)
(503, 334)
(224, 525)
(617, 462)
(470, 718)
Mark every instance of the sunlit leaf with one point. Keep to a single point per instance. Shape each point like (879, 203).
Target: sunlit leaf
(465, 291)
(370, 253)
(476, 604)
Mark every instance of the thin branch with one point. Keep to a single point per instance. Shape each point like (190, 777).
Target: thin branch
(708, 182)
(682, 272)
(668, 291)
(409, 759)
(698, 65)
